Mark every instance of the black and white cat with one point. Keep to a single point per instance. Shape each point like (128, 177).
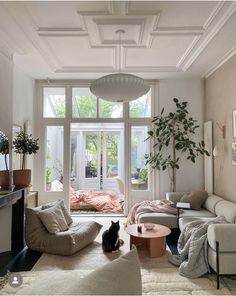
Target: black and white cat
(110, 238)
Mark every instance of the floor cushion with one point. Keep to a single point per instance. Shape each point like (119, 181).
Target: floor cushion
(78, 236)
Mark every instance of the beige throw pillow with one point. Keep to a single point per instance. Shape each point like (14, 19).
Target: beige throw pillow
(119, 277)
(195, 198)
(53, 219)
(63, 208)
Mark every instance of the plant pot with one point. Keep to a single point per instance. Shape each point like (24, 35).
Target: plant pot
(4, 179)
(49, 186)
(21, 178)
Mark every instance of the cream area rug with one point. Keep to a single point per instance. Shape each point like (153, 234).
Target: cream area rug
(159, 277)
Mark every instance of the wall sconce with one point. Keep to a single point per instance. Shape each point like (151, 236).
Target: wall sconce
(215, 151)
(223, 129)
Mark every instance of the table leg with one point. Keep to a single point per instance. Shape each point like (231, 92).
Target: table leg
(178, 217)
(156, 247)
(137, 241)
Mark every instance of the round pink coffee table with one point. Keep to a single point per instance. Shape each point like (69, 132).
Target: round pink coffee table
(154, 240)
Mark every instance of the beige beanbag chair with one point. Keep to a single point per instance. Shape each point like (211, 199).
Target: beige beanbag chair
(62, 240)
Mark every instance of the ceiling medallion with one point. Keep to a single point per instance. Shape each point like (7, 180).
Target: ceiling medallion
(119, 87)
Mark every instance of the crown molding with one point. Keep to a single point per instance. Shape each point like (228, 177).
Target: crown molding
(184, 31)
(147, 12)
(109, 11)
(213, 14)
(6, 52)
(119, 21)
(61, 32)
(78, 69)
(220, 62)
(188, 50)
(210, 35)
(24, 20)
(149, 69)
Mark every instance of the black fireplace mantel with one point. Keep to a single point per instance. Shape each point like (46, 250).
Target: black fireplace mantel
(16, 199)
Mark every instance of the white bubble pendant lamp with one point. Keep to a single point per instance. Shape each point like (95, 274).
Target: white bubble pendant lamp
(119, 87)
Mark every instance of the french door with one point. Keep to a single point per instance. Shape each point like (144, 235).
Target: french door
(112, 159)
(90, 169)
(97, 156)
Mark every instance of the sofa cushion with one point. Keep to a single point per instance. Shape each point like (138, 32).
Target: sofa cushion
(158, 218)
(183, 221)
(119, 277)
(227, 209)
(195, 198)
(194, 213)
(211, 202)
(175, 196)
(63, 208)
(53, 219)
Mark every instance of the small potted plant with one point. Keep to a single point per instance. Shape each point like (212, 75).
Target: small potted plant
(24, 144)
(144, 175)
(48, 178)
(4, 150)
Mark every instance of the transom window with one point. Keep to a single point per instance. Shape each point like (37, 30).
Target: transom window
(86, 105)
(54, 103)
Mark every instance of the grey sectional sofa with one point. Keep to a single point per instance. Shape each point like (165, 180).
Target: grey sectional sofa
(221, 237)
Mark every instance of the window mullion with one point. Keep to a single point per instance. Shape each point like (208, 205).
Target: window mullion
(98, 106)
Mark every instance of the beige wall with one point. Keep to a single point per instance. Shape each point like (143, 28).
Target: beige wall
(16, 106)
(220, 100)
(190, 175)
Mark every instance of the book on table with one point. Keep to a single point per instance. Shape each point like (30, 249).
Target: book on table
(183, 205)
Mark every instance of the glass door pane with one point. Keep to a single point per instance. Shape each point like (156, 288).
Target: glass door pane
(92, 155)
(111, 145)
(54, 158)
(139, 148)
(111, 159)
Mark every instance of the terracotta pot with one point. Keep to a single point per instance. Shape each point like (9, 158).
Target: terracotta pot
(49, 186)
(21, 178)
(4, 179)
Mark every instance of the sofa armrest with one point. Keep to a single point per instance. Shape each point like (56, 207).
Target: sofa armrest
(223, 233)
(174, 196)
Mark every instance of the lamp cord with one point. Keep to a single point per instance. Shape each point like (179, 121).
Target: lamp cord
(120, 32)
(119, 70)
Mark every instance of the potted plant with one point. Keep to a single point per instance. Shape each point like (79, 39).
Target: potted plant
(174, 130)
(4, 150)
(48, 179)
(24, 144)
(144, 174)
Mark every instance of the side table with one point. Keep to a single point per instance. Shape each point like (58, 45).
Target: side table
(154, 240)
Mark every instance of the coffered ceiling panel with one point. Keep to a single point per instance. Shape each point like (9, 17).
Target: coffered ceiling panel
(80, 53)
(182, 13)
(62, 14)
(77, 39)
(165, 51)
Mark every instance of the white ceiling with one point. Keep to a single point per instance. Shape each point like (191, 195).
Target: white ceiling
(77, 40)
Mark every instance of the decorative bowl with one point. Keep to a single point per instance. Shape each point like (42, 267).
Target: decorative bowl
(149, 226)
